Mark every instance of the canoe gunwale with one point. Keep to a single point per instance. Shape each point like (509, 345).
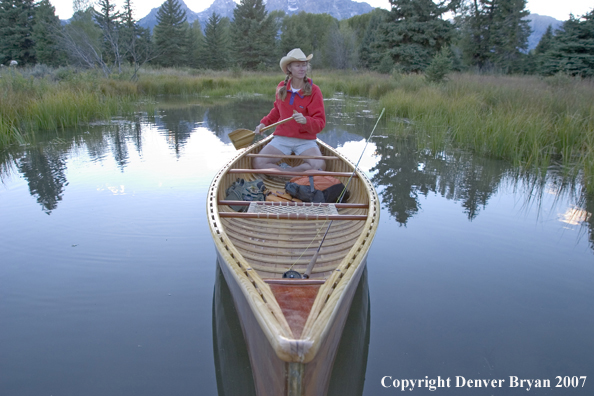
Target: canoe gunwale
(259, 295)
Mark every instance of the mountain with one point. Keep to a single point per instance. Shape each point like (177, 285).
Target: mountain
(339, 9)
(539, 25)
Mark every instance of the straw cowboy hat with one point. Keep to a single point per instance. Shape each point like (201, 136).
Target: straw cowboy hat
(295, 55)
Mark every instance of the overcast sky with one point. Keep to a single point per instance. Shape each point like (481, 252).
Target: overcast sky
(559, 9)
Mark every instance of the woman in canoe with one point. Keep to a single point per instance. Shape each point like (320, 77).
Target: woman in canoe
(299, 97)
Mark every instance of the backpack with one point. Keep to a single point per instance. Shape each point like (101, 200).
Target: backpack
(242, 190)
(317, 189)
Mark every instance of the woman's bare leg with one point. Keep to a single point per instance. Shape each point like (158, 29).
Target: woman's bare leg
(267, 163)
(311, 164)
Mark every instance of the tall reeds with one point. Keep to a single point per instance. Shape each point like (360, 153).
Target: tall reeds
(28, 103)
(530, 121)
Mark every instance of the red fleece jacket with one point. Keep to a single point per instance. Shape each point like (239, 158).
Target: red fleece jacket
(312, 107)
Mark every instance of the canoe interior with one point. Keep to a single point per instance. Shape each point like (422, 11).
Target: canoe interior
(271, 247)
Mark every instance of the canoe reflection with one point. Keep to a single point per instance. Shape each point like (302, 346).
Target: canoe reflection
(232, 362)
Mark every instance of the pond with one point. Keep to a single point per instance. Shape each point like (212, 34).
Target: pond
(109, 283)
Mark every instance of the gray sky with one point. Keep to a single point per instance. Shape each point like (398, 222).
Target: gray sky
(559, 9)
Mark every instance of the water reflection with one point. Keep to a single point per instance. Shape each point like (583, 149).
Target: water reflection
(406, 172)
(44, 169)
(403, 172)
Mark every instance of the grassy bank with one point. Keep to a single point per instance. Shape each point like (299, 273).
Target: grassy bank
(31, 100)
(530, 121)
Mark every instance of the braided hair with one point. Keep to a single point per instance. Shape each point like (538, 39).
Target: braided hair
(282, 91)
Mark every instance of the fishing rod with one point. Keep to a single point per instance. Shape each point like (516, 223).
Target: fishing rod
(294, 274)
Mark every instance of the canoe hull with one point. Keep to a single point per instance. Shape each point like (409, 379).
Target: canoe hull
(273, 376)
(292, 328)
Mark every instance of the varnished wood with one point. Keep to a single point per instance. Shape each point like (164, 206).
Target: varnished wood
(295, 301)
(292, 156)
(275, 172)
(288, 203)
(288, 281)
(290, 216)
(289, 342)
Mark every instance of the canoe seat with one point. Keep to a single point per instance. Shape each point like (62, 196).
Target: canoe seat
(282, 208)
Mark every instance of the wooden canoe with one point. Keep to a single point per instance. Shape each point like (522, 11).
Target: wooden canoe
(292, 327)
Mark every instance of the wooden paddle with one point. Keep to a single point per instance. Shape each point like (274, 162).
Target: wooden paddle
(244, 137)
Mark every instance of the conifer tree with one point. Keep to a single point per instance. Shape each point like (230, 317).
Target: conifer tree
(109, 22)
(253, 34)
(136, 45)
(495, 34)
(308, 32)
(370, 38)
(216, 43)
(16, 31)
(545, 42)
(171, 35)
(196, 44)
(45, 35)
(415, 32)
(294, 34)
(572, 48)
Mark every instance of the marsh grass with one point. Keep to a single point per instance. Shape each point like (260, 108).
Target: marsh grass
(54, 101)
(530, 121)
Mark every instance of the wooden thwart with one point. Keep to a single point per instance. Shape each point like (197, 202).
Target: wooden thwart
(322, 157)
(290, 216)
(289, 173)
(274, 203)
(295, 281)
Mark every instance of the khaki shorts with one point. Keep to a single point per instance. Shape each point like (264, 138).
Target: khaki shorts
(289, 145)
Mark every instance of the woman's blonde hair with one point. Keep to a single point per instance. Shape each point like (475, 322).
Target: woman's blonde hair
(282, 91)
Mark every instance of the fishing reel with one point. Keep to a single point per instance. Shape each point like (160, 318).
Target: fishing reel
(292, 275)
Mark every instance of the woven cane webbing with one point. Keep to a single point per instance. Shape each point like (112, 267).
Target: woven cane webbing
(283, 208)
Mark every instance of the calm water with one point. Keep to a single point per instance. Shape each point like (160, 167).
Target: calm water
(108, 280)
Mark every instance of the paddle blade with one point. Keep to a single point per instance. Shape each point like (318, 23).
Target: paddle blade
(242, 138)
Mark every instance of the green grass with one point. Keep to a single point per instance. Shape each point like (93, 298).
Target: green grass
(28, 103)
(530, 121)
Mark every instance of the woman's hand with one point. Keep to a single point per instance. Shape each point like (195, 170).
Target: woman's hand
(257, 130)
(300, 118)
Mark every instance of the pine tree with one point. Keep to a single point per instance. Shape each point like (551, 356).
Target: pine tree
(440, 66)
(216, 43)
(196, 44)
(294, 34)
(310, 33)
(16, 31)
(510, 36)
(136, 45)
(171, 35)
(45, 35)
(370, 38)
(415, 32)
(572, 48)
(109, 22)
(545, 42)
(253, 34)
(495, 34)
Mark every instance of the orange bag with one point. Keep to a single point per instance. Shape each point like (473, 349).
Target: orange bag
(331, 187)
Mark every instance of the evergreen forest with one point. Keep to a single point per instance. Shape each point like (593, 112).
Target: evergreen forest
(482, 36)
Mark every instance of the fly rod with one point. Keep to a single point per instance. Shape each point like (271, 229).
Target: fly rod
(294, 274)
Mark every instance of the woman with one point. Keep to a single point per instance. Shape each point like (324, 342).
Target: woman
(299, 97)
